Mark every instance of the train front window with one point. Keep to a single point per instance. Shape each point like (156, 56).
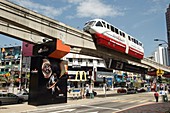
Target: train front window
(91, 23)
(99, 24)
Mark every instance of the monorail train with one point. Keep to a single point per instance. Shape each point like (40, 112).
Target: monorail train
(111, 37)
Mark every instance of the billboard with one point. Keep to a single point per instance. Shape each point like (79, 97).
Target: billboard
(48, 81)
(10, 53)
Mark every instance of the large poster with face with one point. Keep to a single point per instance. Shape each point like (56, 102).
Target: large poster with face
(48, 81)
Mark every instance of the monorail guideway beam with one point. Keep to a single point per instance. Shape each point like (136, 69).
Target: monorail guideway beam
(18, 33)
(44, 26)
(29, 26)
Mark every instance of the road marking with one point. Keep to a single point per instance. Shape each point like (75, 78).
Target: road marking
(101, 107)
(66, 110)
(93, 112)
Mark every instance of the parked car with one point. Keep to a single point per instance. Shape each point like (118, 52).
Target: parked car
(23, 95)
(131, 91)
(121, 90)
(9, 98)
(140, 90)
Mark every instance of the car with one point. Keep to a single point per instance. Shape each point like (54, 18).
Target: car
(9, 98)
(131, 91)
(140, 90)
(121, 90)
(23, 95)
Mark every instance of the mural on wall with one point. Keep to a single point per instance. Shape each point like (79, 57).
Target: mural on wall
(49, 81)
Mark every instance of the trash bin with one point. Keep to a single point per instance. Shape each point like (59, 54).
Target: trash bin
(91, 95)
(165, 98)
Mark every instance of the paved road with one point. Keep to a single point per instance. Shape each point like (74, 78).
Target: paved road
(133, 103)
(101, 105)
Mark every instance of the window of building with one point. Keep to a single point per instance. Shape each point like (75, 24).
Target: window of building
(6, 70)
(7, 63)
(13, 62)
(2, 70)
(70, 59)
(2, 63)
(79, 60)
(91, 60)
(17, 62)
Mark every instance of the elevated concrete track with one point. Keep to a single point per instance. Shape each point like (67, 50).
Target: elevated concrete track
(26, 25)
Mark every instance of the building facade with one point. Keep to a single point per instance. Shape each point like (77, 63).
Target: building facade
(161, 55)
(168, 28)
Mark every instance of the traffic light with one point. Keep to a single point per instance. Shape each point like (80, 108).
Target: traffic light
(159, 79)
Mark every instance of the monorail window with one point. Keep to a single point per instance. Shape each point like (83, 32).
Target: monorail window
(112, 29)
(132, 39)
(136, 41)
(123, 34)
(99, 24)
(120, 33)
(104, 24)
(108, 27)
(129, 38)
(91, 23)
(116, 30)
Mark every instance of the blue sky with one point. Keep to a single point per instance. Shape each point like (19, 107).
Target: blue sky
(143, 19)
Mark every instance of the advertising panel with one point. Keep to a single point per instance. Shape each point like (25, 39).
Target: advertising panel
(48, 81)
(10, 53)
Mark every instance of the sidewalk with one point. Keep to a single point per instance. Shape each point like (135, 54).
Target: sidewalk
(151, 107)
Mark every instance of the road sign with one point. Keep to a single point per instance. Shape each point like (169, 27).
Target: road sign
(159, 72)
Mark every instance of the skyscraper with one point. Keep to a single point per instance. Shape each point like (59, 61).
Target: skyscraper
(161, 56)
(168, 29)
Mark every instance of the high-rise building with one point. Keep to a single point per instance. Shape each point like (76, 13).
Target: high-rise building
(168, 29)
(161, 54)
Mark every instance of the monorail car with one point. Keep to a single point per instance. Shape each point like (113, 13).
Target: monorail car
(111, 37)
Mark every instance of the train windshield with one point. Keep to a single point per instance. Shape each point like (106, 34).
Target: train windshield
(91, 23)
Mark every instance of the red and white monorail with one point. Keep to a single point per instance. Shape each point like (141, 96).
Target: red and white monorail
(111, 37)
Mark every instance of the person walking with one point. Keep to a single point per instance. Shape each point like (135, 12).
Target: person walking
(156, 95)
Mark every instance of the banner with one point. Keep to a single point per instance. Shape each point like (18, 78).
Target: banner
(48, 81)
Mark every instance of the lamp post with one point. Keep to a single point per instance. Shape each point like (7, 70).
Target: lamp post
(168, 54)
(165, 42)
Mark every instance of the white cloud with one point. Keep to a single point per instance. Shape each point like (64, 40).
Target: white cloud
(95, 9)
(75, 1)
(43, 9)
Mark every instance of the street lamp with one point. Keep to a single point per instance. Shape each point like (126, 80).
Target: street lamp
(161, 40)
(161, 44)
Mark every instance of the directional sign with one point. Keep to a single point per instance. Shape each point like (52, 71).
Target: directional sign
(159, 72)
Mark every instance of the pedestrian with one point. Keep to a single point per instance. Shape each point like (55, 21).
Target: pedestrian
(156, 95)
